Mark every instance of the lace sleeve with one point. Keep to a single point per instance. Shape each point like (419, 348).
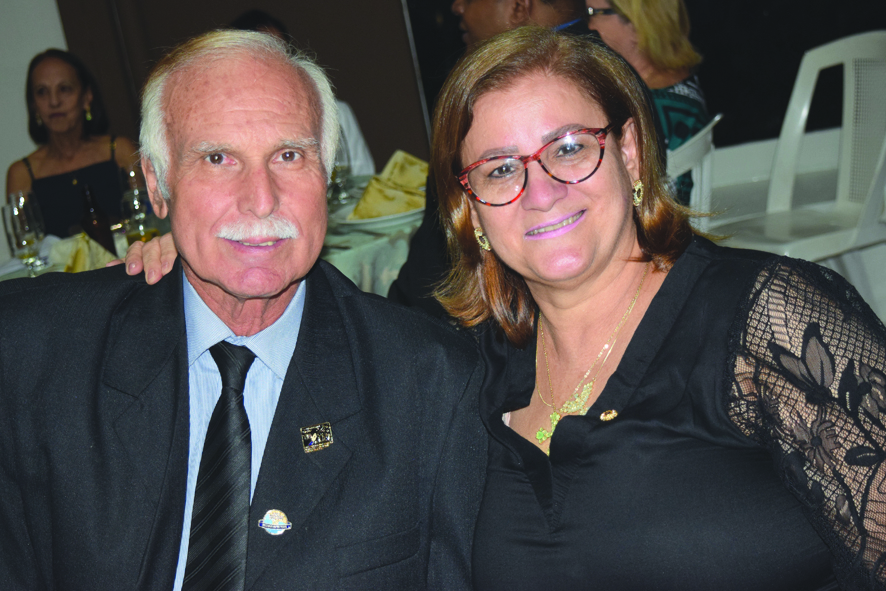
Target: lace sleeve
(808, 365)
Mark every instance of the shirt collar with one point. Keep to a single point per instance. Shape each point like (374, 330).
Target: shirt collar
(274, 345)
(566, 25)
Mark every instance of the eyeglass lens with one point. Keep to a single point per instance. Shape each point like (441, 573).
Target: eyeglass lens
(570, 159)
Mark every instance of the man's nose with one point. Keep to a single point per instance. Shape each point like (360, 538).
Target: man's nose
(260, 193)
(458, 7)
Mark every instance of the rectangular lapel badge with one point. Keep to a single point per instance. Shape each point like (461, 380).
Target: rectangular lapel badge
(316, 437)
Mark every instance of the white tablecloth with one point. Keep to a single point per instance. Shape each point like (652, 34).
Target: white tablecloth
(371, 259)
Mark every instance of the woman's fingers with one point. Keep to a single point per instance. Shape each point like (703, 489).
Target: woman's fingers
(155, 258)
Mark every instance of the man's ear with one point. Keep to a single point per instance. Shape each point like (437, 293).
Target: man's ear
(520, 13)
(160, 205)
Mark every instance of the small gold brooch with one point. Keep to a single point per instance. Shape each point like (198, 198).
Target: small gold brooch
(316, 437)
(608, 415)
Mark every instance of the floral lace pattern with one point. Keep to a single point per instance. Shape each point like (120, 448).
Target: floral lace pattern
(808, 374)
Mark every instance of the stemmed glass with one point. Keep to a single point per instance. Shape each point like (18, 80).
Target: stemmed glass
(24, 230)
(337, 194)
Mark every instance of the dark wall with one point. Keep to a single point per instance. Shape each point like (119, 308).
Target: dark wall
(363, 45)
(752, 51)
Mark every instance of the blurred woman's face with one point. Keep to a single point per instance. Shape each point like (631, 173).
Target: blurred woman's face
(59, 98)
(616, 31)
(555, 234)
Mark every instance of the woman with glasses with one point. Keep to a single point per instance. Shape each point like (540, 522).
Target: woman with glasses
(653, 36)
(663, 413)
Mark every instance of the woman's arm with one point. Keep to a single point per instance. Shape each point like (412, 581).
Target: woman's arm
(810, 384)
(17, 178)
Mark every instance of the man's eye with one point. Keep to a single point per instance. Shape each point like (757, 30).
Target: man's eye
(215, 158)
(290, 155)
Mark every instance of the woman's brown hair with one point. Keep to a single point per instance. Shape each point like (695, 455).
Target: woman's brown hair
(480, 287)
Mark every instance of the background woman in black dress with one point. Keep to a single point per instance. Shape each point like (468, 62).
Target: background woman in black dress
(66, 118)
(664, 413)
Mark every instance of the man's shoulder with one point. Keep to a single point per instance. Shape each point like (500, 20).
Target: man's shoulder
(67, 298)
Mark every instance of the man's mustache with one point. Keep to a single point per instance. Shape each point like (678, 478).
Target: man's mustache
(269, 227)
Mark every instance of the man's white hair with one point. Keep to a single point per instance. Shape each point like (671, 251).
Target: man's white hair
(223, 45)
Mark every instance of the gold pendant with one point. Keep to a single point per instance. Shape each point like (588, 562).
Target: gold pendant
(543, 435)
(577, 404)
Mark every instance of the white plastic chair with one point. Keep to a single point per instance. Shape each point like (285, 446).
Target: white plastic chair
(848, 220)
(697, 156)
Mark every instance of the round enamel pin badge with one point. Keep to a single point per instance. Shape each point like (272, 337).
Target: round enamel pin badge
(274, 522)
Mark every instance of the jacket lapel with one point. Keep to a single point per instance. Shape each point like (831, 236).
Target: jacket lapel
(320, 387)
(146, 371)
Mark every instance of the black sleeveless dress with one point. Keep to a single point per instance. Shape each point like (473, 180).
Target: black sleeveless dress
(59, 196)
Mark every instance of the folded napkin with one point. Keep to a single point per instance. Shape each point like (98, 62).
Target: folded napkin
(398, 189)
(79, 253)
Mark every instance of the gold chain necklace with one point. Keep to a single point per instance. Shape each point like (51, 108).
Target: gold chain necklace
(580, 396)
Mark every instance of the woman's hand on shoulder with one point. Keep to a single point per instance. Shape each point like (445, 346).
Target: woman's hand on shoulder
(155, 257)
(17, 178)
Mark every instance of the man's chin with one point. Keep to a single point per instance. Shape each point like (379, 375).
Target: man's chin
(251, 283)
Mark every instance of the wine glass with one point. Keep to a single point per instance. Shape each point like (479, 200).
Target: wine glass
(139, 221)
(337, 194)
(24, 231)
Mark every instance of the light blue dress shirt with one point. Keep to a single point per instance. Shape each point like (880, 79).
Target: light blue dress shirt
(273, 348)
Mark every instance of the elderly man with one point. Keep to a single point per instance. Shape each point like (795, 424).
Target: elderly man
(482, 19)
(252, 421)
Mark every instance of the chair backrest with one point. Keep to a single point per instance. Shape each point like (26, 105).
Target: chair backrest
(697, 155)
(863, 58)
(874, 214)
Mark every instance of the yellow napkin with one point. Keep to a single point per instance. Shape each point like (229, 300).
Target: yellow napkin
(398, 189)
(405, 170)
(79, 253)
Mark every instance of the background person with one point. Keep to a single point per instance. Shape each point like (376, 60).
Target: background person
(481, 19)
(663, 413)
(66, 118)
(653, 36)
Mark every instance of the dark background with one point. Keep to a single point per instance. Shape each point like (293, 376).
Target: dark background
(751, 48)
(364, 46)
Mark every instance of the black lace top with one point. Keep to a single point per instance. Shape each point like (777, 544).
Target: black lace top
(746, 453)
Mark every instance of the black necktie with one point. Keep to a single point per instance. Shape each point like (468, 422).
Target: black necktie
(217, 546)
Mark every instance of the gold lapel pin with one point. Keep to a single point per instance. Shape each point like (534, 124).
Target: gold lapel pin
(316, 437)
(608, 415)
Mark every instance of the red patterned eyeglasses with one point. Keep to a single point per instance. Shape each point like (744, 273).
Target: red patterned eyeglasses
(569, 158)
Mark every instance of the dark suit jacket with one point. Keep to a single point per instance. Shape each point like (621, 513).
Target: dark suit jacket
(94, 441)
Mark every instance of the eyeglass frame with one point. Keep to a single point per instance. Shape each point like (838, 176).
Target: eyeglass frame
(526, 160)
(601, 11)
